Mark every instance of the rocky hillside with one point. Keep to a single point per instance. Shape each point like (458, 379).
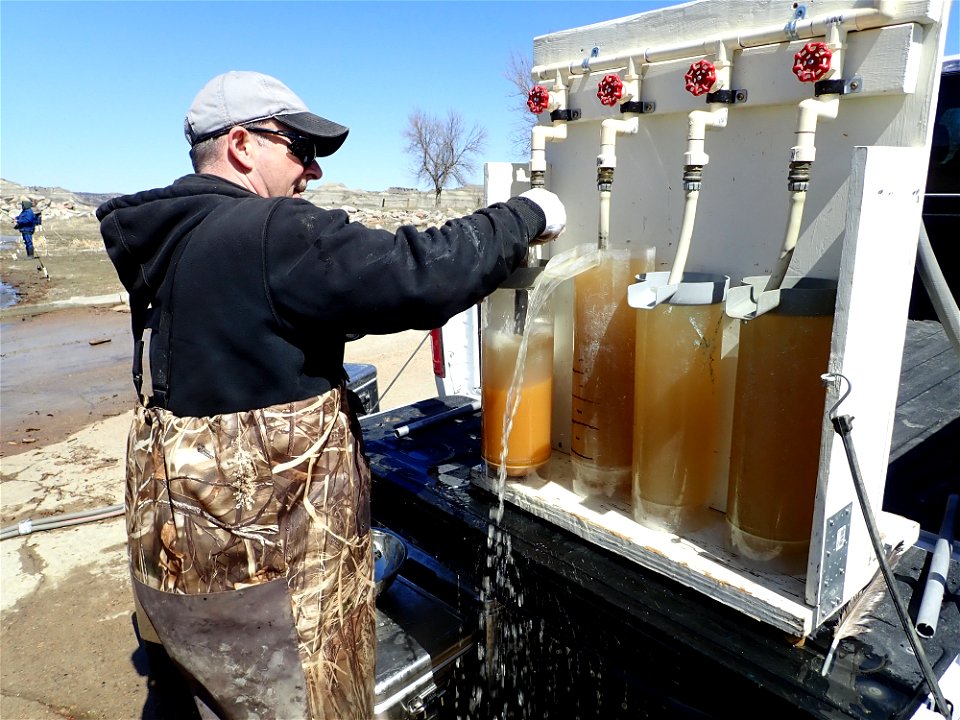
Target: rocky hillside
(54, 203)
(388, 208)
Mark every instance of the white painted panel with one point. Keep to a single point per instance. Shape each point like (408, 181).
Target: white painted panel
(883, 225)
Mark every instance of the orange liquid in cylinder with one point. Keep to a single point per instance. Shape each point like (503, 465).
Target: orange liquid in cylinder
(775, 451)
(603, 375)
(681, 415)
(528, 445)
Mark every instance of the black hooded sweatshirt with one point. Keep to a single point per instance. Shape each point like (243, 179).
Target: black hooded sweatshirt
(251, 298)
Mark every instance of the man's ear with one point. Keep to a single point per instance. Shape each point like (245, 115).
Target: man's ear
(241, 148)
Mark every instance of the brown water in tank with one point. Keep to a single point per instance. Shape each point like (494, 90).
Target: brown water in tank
(603, 374)
(775, 450)
(682, 413)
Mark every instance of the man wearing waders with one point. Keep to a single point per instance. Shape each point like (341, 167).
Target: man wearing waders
(247, 495)
(26, 222)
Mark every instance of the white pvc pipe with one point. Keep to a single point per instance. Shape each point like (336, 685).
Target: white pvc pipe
(541, 134)
(58, 521)
(697, 124)
(852, 20)
(932, 598)
(938, 290)
(538, 141)
(825, 106)
(609, 129)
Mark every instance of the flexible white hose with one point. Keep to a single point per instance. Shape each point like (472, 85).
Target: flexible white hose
(941, 298)
(790, 236)
(686, 232)
(604, 232)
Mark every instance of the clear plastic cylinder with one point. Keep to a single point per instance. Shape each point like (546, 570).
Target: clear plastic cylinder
(686, 356)
(505, 313)
(778, 424)
(603, 360)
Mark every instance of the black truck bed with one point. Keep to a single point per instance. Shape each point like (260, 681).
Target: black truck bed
(576, 631)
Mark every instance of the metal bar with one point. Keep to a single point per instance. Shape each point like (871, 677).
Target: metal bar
(468, 409)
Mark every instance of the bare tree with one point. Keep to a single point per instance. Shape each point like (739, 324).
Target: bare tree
(518, 75)
(442, 148)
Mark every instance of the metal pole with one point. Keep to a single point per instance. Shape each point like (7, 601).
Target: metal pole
(843, 426)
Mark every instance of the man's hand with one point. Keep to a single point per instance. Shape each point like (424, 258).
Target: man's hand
(552, 208)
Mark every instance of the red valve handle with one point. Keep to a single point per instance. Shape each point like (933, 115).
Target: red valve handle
(700, 77)
(813, 62)
(610, 90)
(538, 99)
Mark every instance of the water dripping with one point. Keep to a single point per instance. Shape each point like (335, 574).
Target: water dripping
(506, 656)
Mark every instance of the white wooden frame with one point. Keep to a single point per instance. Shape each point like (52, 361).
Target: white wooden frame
(860, 228)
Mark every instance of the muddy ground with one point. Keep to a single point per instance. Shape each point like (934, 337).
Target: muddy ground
(67, 643)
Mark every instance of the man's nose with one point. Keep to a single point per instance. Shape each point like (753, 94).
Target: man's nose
(313, 171)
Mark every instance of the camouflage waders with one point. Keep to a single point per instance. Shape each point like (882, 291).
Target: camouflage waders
(250, 551)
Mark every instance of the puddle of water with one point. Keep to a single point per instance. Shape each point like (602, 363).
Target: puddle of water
(8, 295)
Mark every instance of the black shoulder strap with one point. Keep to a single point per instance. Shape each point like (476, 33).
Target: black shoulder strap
(138, 321)
(158, 316)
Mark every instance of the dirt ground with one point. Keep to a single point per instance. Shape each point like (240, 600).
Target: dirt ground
(67, 643)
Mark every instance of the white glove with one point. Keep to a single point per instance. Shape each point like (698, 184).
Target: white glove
(552, 208)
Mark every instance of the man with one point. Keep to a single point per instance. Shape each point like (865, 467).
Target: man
(26, 222)
(247, 491)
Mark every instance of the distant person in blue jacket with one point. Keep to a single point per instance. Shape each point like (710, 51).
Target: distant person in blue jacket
(26, 222)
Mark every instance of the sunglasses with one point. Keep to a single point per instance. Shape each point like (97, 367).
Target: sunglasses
(302, 148)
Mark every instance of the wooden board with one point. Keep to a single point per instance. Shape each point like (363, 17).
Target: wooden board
(929, 397)
(699, 561)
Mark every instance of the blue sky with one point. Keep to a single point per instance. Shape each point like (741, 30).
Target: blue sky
(94, 93)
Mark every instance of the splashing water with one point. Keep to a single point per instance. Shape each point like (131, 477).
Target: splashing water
(509, 638)
(560, 268)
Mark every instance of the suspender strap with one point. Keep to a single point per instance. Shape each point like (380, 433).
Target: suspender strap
(158, 316)
(138, 322)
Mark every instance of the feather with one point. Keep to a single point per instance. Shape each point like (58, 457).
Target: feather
(854, 617)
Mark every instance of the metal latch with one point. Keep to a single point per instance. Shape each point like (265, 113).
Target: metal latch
(417, 707)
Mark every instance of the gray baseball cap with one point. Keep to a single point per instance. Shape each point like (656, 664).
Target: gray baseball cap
(240, 96)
